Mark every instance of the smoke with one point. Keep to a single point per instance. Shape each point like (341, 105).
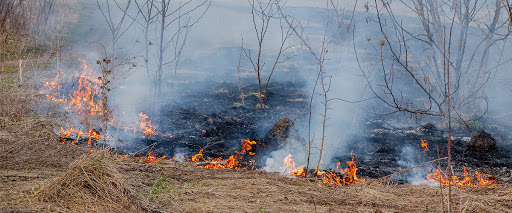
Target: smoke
(411, 157)
(211, 53)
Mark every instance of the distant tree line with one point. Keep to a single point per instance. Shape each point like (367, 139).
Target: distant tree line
(35, 17)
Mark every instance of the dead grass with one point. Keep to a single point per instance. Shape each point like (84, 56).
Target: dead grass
(181, 187)
(93, 182)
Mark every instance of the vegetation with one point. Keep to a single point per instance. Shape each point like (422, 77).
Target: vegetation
(40, 174)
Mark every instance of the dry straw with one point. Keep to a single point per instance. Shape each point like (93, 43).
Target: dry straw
(93, 182)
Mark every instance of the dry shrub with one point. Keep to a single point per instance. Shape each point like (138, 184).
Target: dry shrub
(92, 183)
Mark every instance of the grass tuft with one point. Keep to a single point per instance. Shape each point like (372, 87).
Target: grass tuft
(91, 182)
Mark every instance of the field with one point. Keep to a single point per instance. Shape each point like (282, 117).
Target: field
(39, 174)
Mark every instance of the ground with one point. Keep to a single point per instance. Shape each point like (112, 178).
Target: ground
(33, 162)
(40, 174)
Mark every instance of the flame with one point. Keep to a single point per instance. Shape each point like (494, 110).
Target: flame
(290, 167)
(85, 101)
(340, 177)
(82, 101)
(233, 162)
(151, 159)
(91, 134)
(424, 144)
(465, 180)
(147, 128)
(350, 174)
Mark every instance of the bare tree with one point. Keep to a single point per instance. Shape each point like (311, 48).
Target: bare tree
(117, 26)
(323, 78)
(441, 64)
(175, 22)
(263, 14)
(148, 13)
(419, 51)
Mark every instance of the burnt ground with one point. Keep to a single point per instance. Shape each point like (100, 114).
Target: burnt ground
(213, 120)
(385, 150)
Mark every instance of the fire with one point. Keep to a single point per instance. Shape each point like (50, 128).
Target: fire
(233, 162)
(290, 167)
(340, 177)
(198, 157)
(424, 144)
(91, 134)
(151, 159)
(147, 128)
(82, 101)
(349, 174)
(465, 180)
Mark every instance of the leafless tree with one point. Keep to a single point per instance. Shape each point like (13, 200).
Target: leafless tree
(118, 26)
(441, 64)
(418, 51)
(264, 13)
(323, 79)
(148, 13)
(175, 22)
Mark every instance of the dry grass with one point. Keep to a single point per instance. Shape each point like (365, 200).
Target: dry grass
(181, 187)
(91, 183)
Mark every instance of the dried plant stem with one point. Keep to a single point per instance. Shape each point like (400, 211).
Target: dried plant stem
(21, 71)
(440, 182)
(242, 96)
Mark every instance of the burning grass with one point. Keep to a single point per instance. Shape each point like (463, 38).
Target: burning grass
(92, 182)
(233, 162)
(340, 177)
(466, 180)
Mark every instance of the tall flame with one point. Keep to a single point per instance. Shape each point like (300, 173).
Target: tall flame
(81, 101)
(147, 128)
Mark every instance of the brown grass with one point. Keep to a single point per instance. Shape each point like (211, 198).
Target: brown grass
(182, 187)
(93, 182)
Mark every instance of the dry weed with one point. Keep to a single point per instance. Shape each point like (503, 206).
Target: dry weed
(93, 182)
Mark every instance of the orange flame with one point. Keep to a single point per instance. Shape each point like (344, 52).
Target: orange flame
(465, 181)
(233, 162)
(331, 178)
(82, 101)
(151, 159)
(424, 144)
(92, 134)
(147, 128)
(290, 167)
